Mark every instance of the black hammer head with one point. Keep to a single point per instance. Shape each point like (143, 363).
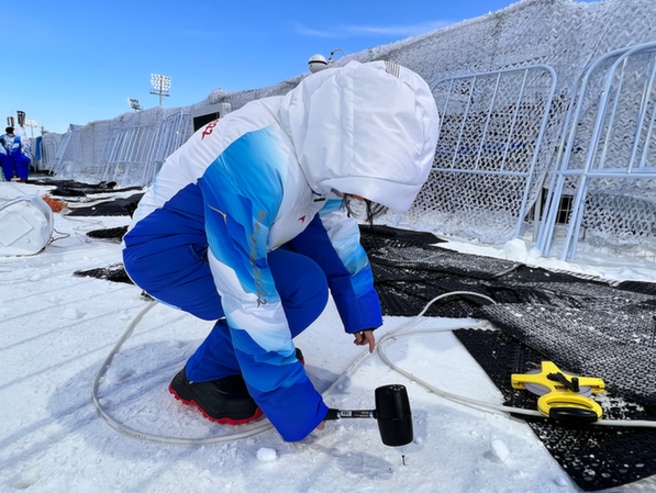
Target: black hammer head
(394, 416)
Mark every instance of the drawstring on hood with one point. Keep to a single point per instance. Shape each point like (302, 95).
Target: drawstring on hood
(364, 129)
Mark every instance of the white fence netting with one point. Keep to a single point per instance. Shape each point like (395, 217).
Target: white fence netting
(474, 190)
(564, 35)
(128, 150)
(489, 163)
(607, 165)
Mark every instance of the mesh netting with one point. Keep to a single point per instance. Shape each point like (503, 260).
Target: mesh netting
(491, 157)
(585, 326)
(495, 150)
(114, 273)
(129, 149)
(481, 129)
(636, 225)
(609, 152)
(595, 458)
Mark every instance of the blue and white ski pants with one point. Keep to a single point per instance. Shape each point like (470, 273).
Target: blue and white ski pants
(189, 285)
(15, 165)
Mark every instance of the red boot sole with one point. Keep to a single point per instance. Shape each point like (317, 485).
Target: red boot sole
(223, 421)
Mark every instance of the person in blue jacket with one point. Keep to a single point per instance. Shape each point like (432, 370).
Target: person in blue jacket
(245, 225)
(16, 157)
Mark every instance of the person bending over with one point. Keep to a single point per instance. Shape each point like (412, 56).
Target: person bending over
(245, 225)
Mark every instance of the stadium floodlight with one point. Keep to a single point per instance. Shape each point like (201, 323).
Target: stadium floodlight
(161, 85)
(134, 104)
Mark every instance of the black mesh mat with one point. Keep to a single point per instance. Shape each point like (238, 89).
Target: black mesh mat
(111, 207)
(108, 207)
(585, 326)
(615, 342)
(638, 287)
(72, 188)
(115, 234)
(594, 457)
(410, 271)
(114, 273)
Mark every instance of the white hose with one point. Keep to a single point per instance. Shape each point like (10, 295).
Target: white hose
(481, 405)
(254, 429)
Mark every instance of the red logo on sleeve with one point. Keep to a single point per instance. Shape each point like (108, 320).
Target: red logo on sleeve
(209, 128)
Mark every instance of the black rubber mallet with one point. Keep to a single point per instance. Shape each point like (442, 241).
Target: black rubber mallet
(392, 412)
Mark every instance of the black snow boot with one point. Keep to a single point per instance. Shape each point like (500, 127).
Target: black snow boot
(225, 400)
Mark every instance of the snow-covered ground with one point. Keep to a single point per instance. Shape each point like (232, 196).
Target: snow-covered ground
(57, 330)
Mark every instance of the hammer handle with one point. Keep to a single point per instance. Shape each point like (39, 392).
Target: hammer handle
(338, 414)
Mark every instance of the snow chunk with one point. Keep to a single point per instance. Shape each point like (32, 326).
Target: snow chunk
(516, 250)
(26, 479)
(499, 450)
(562, 481)
(267, 454)
(72, 314)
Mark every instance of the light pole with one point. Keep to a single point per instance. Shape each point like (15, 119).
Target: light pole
(31, 124)
(161, 85)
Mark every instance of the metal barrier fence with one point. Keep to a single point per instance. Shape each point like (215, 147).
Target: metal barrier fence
(502, 139)
(68, 148)
(126, 152)
(490, 162)
(130, 155)
(50, 143)
(607, 160)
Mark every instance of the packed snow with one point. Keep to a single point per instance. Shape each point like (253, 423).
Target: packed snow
(61, 337)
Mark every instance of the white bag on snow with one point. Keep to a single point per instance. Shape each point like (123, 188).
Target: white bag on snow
(26, 225)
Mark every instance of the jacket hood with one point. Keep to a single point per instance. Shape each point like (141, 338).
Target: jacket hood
(367, 129)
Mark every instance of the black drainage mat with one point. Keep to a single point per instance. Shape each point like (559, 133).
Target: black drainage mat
(114, 273)
(595, 457)
(111, 207)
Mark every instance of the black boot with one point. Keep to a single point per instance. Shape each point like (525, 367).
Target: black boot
(225, 400)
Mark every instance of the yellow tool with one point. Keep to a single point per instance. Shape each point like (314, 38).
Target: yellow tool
(563, 396)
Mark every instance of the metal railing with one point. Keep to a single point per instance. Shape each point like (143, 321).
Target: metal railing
(489, 149)
(607, 137)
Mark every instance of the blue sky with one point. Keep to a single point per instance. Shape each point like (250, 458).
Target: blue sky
(79, 61)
